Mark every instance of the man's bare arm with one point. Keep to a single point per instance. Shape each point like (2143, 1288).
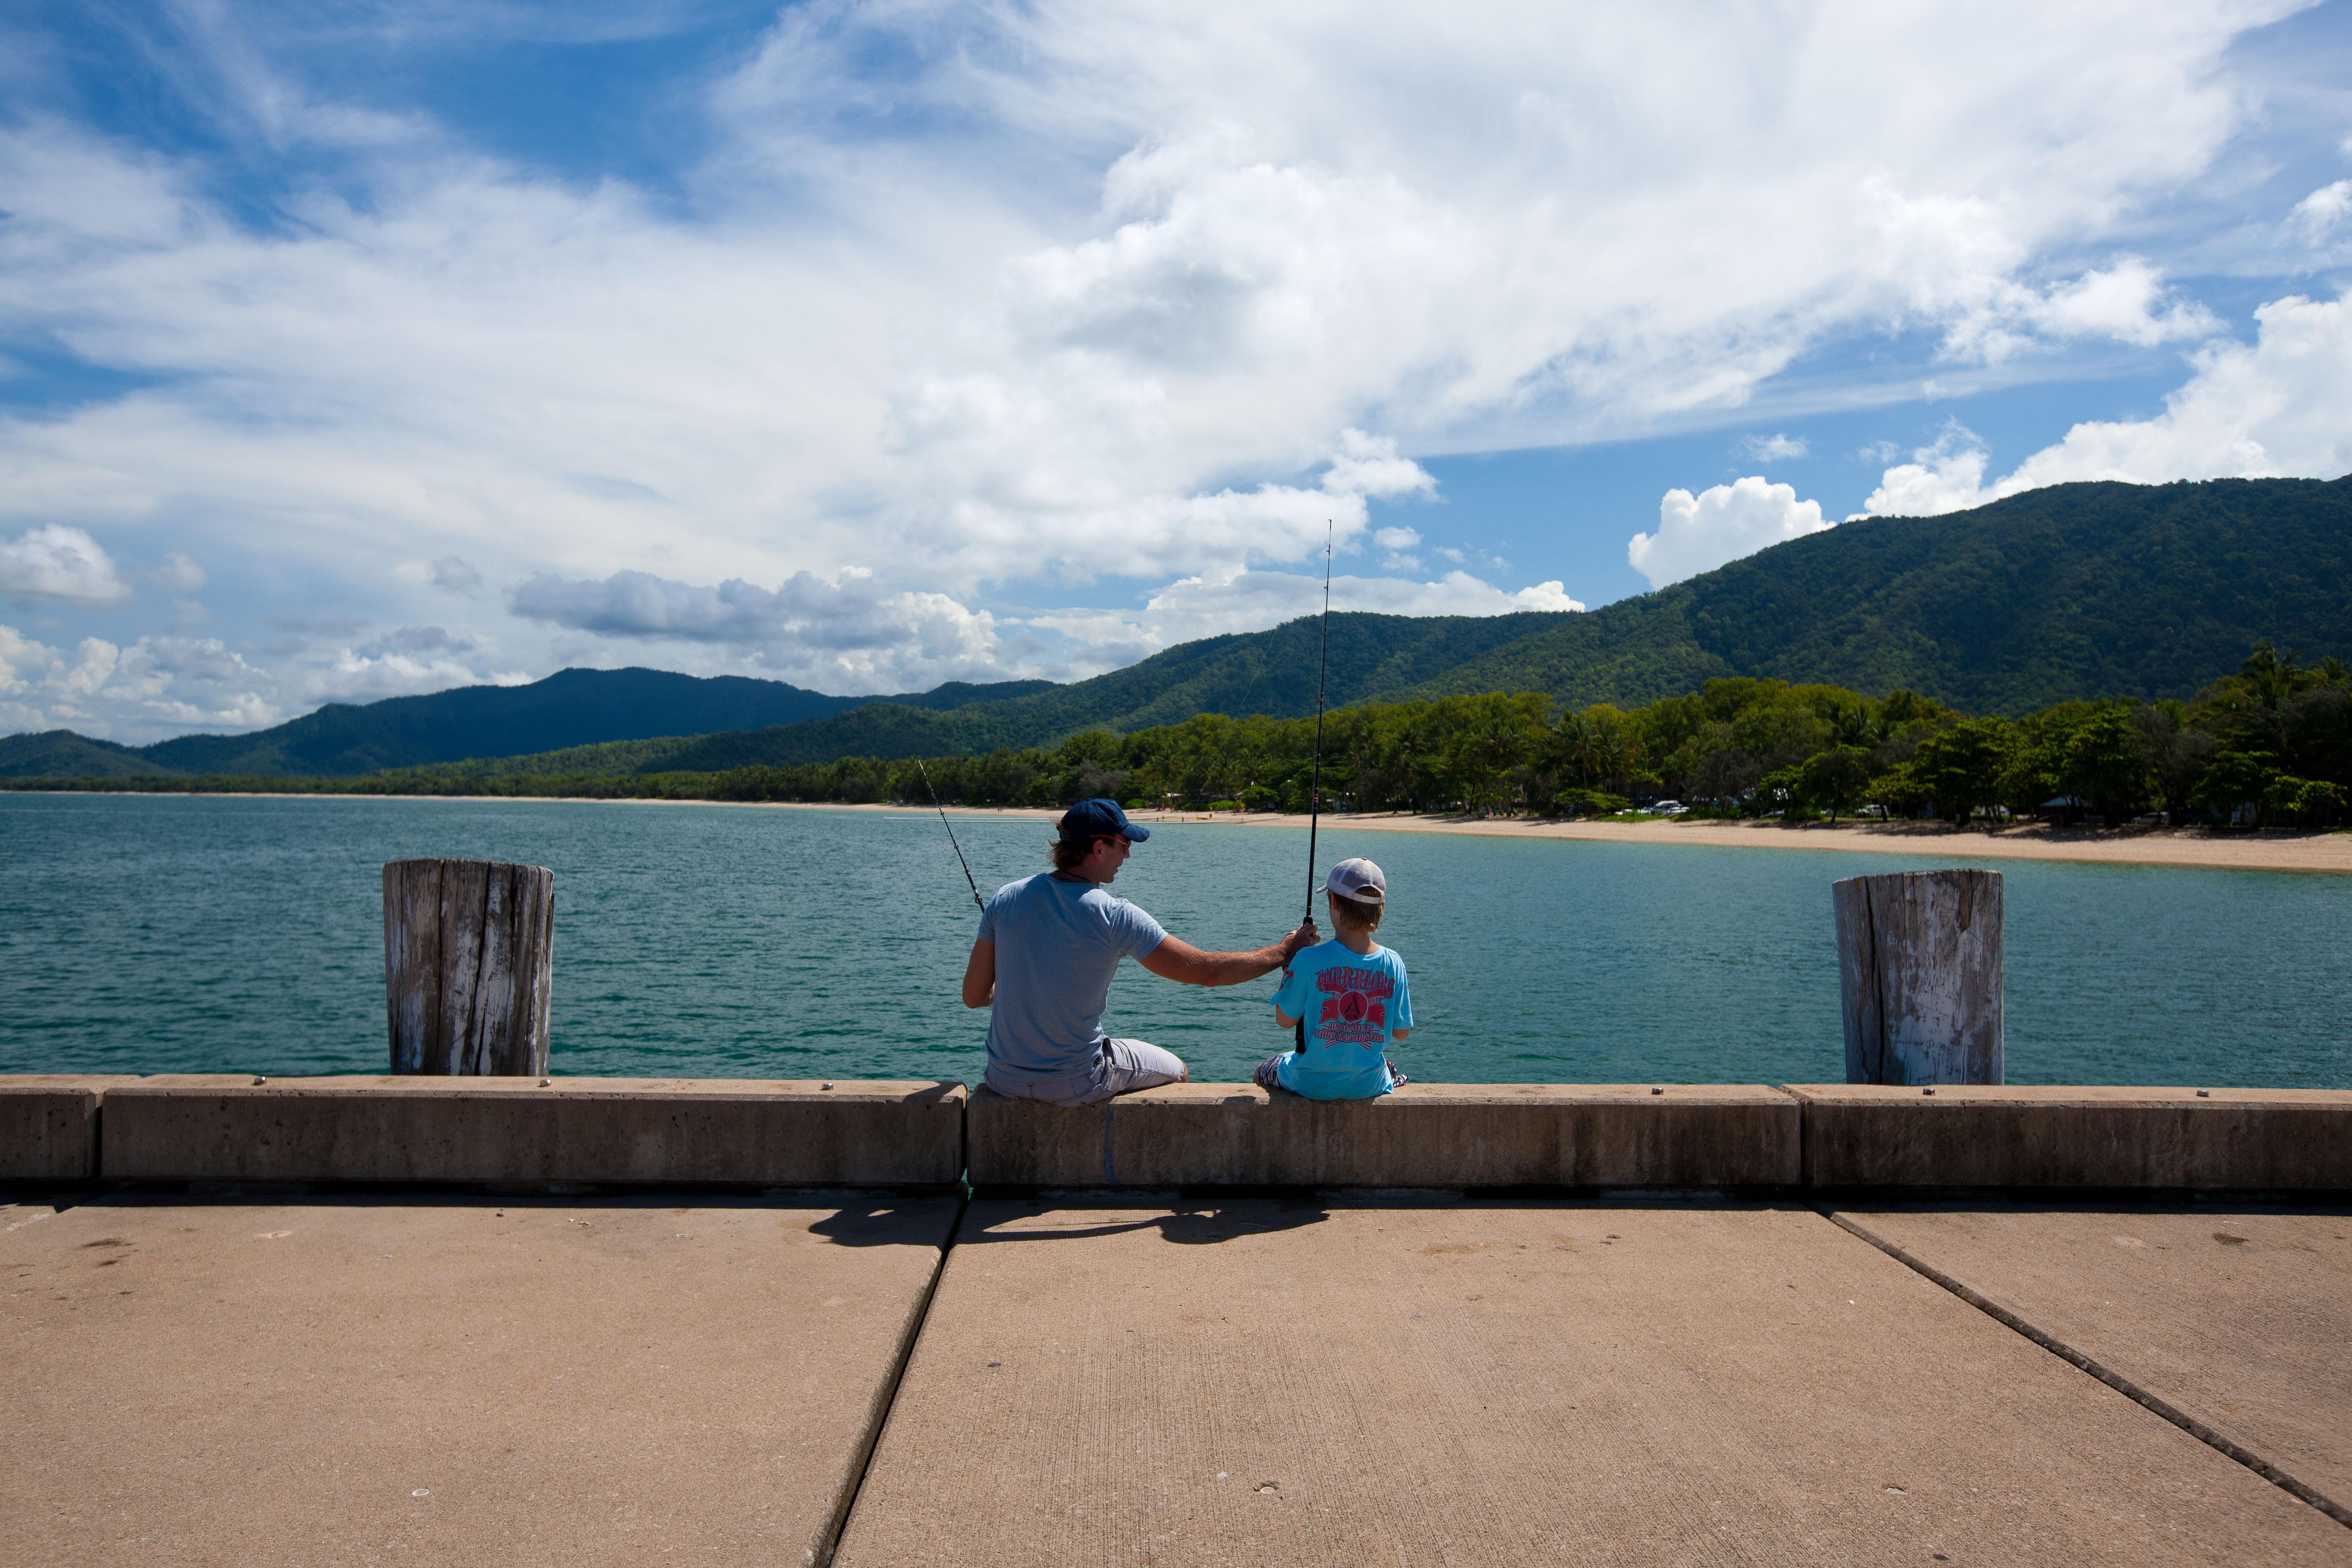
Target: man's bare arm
(1175, 959)
(979, 975)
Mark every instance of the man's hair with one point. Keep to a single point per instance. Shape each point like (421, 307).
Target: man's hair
(1068, 852)
(1355, 912)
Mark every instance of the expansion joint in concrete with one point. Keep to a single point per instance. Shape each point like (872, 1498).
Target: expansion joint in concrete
(2106, 1374)
(887, 1397)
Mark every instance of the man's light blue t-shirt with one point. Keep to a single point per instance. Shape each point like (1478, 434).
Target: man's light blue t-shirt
(1353, 1004)
(1058, 945)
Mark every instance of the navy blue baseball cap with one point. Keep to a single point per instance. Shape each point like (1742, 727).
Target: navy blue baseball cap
(1100, 819)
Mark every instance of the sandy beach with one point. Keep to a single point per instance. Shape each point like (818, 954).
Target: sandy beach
(2325, 852)
(2320, 852)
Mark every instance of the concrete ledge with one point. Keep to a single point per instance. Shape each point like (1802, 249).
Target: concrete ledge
(749, 1132)
(1425, 1135)
(2237, 1139)
(48, 1125)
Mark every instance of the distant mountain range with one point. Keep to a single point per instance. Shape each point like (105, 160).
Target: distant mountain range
(2087, 590)
(569, 708)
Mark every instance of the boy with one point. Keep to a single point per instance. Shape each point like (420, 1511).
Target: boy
(1350, 992)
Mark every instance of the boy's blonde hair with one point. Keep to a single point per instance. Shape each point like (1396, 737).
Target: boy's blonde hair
(1355, 912)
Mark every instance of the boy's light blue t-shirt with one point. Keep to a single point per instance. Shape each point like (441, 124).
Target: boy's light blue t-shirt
(1058, 945)
(1353, 1002)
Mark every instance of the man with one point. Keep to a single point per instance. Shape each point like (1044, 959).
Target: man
(1048, 947)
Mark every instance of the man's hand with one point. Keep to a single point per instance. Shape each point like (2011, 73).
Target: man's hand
(1305, 937)
(1178, 959)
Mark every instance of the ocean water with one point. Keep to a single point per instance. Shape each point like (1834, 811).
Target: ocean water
(205, 933)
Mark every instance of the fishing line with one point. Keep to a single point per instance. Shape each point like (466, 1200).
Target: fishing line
(1314, 791)
(1315, 794)
(942, 810)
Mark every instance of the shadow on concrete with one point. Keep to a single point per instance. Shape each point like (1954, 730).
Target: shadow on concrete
(1187, 1225)
(887, 1222)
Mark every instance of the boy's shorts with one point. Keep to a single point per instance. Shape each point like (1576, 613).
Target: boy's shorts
(1268, 1076)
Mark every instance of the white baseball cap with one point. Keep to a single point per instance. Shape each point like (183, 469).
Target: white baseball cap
(1359, 879)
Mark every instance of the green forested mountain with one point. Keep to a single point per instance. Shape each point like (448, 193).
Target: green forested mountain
(2073, 591)
(2070, 592)
(62, 754)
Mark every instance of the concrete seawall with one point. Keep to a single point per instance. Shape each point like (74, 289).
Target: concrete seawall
(2116, 1139)
(1559, 1137)
(722, 1131)
(48, 1125)
(1436, 1135)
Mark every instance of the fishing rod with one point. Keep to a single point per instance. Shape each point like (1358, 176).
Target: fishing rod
(942, 810)
(1315, 794)
(1314, 791)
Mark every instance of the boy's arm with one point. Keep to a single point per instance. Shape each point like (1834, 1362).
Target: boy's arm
(1283, 1019)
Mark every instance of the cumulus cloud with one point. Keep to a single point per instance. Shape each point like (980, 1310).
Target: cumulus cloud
(1245, 601)
(179, 573)
(1774, 448)
(154, 687)
(855, 634)
(1945, 476)
(454, 574)
(2274, 407)
(60, 563)
(1698, 533)
(174, 683)
(2318, 213)
(848, 633)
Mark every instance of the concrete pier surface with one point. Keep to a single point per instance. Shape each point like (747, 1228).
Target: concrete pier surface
(1317, 1378)
(459, 1381)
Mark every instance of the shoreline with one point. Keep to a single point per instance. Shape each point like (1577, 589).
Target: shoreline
(2321, 852)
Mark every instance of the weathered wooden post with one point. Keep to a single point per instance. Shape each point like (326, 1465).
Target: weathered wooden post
(469, 956)
(1919, 956)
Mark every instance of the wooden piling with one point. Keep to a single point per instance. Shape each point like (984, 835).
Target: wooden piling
(468, 959)
(1919, 955)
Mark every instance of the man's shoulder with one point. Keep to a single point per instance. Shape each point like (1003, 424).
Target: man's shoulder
(1008, 895)
(1113, 907)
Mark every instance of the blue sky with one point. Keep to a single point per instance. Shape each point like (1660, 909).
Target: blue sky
(354, 348)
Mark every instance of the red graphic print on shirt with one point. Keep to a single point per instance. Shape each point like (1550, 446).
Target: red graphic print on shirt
(1355, 1007)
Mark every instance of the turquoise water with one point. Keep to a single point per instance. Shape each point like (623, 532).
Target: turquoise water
(196, 933)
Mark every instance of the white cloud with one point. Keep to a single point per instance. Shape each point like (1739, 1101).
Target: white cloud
(1369, 466)
(1775, 448)
(2319, 212)
(1945, 477)
(171, 684)
(858, 636)
(1396, 538)
(2274, 407)
(156, 685)
(60, 563)
(454, 574)
(848, 634)
(179, 573)
(1698, 533)
(1247, 601)
(22, 661)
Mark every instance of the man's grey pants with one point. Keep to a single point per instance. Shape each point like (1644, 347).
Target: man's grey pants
(1122, 1067)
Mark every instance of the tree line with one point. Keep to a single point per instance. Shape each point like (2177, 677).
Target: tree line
(2269, 745)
